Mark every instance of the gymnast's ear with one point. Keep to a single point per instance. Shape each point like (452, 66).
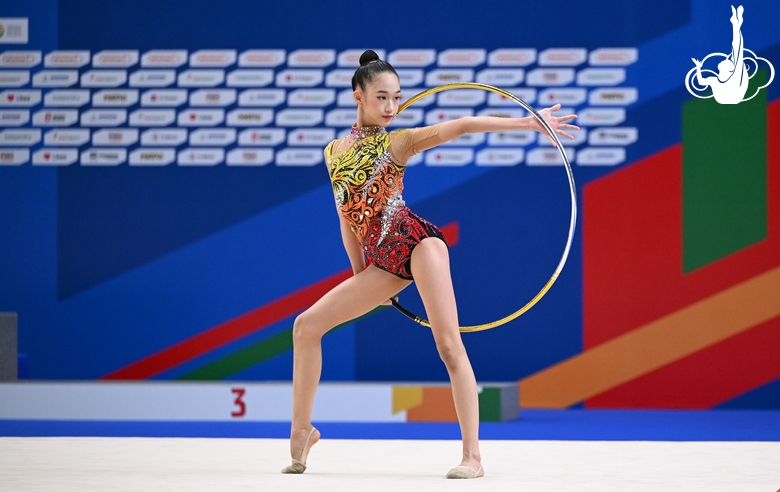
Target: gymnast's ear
(358, 95)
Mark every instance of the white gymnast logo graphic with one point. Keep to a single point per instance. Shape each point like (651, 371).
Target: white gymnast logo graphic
(730, 84)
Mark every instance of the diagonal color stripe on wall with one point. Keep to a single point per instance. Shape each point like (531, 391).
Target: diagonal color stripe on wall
(655, 344)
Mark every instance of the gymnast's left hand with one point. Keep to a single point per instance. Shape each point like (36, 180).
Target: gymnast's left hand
(557, 123)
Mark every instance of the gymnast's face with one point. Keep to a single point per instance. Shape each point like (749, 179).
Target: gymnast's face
(378, 102)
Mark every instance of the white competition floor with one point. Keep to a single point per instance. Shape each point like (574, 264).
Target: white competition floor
(227, 464)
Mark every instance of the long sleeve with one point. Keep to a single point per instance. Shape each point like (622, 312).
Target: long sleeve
(413, 141)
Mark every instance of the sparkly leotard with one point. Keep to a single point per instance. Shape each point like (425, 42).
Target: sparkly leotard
(366, 169)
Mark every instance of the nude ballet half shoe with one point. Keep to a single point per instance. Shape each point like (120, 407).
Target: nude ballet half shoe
(464, 472)
(299, 466)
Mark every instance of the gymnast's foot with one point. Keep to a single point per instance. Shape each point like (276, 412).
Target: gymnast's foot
(301, 442)
(468, 468)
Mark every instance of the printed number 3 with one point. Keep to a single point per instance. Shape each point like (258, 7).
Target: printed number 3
(238, 402)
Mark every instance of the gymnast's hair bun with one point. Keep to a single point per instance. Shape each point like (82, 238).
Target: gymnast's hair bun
(367, 57)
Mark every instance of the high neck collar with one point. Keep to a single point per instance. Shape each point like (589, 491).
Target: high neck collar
(367, 131)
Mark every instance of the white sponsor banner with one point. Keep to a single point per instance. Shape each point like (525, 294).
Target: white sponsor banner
(116, 97)
(562, 57)
(148, 156)
(170, 137)
(416, 159)
(115, 58)
(262, 136)
(254, 117)
(601, 76)
(20, 137)
(310, 136)
(613, 56)
(441, 115)
(250, 78)
(14, 78)
(20, 59)
(213, 58)
(550, 76)
(71, 137)
(55, 117)
(299, 77)
(344, 133)
(548, 156)
(347, 98)
(442, 76)
(299, 157)
(124, 136)
(103, 78)
(613, 135)
(516, 112)
(526, 94)
(449, 157)
(571, 96)
(262, 58)
(66, 59)
(461, 57)
(615, 96)
(426, 101)
(152, 78)
(262, 97)
(250, 157)
(501, 77)
(14, 117)
(470, 139)
(200, 117)
(152, 117)
(600, 116)
(410, 77)
(351, 58)
(69, 98)
(299, 117)
(200, 157)
(500, 157)
(20, 97)
(411, 117)
(164, 97)
(411, 58)
(341, 117)
(461, 97)
(103, 117)
(517, 57)
(516, 137)
(14, 157)
(55, 157)
(601, 156)
(579, 137)
(213, 136)
(311, 58)
(200, 78)
(103, 157)
(53, 78)
(339, 78)
(213, 97)
(311, 97)
(164, 58)
(16, 30)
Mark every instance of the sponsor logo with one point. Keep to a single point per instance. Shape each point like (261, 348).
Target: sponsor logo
(103, 157)
(617, 96)
(502, 77)
(152, 117)
(262, 136)
(527, 95)
(20, 59)
(76, 137)
(461, 97)
(250, 157)
(471, 139)
(311, 58)
(299, 117)
(299, 78)
(601, 116)
(14, 157)
(310, 136)
(152, 157)
(448, 76)
(152, 78)
(66, 59)
(14, 117)
(613, 56)
(15, 78)
(55, 157)
(164, 97)
(566, 57)
(250, 78)
(213, 97)
(351, 58)
(103, 78)
(550, 97)
(123, 97)
(547, 157)
(550, 76)
(341, 117)
(222, 136)
(500, 157)
(449, 157)
(411, 58)
(461, 58)
(410, 77)
(409, 118)
(200, 117)
(299, 157)
(339, 78)
(69, 98)
(511, 57)
(262, 97)
(170, 137)
(54, 78)
(20, 98)
(311, 97)
(603, 156)
(516, 112)
(164, 58)
(115, 137)
(579, 137)
(200, 78)
(442, 115)
(601, 76)
(613, 136)
(262, 58)
(115, 58)
(517, 137)
(103, 117)
(20, 137)
(55, 117)
(14, 30)
(213, 58)
(254, 117)
(200, 157)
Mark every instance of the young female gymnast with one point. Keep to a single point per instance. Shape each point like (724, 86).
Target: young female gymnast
(366, 169)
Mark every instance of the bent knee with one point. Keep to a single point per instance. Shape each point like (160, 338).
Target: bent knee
(304, 330)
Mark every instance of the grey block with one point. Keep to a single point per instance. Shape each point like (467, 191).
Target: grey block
(9, 347)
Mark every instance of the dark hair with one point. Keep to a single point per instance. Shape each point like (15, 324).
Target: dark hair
(370, 66)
